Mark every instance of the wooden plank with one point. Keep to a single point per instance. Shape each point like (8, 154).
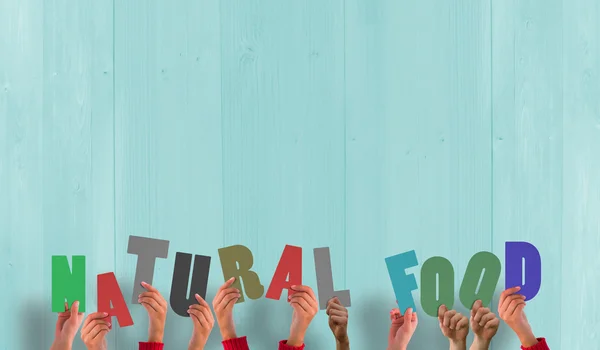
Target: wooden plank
(77, 138)
(419, 165)
(283, 147)
(581, 176)
(21, 208)
(527, 159)
(168, 143)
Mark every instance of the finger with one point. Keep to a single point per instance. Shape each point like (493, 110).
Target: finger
(508, 300)
(98, 331)
(462, 323)
(441, 311)
(476, 306)
(200, 317)
(306, 296)
(226, 285)
(408, 314)
(204, 310)
(448, 316)
(508, 292)
(91, 324)
(495, 323)
(486, 318)
(512, 307)
(454, 320)
(394, 314)
(480, 313)
(339, 320)
(93, 316)
(305, 289)
(66, 305)
(228, 301)
(201, 301)
(338, 313)
(149, 287)
(301, 302)
(75, 309)
(156, 296)
(223, 294)
(151, 304)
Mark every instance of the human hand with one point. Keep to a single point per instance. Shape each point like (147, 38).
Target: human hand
(223, 304)
(303, 301)
(454, 326)
(67, 324)
(203, 323)
(401, 329)
(338, 320)
(484, 324)
(156, 306)
(94, 330)
(511, 310)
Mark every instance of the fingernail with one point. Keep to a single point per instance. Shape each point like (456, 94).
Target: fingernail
(188, 311)
(109, 324)
(76, 303)
(105, 314)
(197, 295)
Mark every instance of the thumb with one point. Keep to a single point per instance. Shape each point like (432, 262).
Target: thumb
(74, 309)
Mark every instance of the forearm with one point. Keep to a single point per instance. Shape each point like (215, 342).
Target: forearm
(60, 345)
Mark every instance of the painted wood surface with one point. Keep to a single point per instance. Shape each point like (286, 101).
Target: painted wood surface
(372, 127)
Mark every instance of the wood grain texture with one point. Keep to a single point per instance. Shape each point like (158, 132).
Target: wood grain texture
(528, 147)
(283, 146)
(419, 173)
(581, 175)
(372, 127)
(168, 142)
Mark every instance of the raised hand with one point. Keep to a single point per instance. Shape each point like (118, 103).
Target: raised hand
(223, 304)
(156, 306)
(511, 310)
(484, 324)
(305, 305)
(67, 324)
(338, 323)
(402, 329)
(454, 326)
(203, 323)
(95, 328)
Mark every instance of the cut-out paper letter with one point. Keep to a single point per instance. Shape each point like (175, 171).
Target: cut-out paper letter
(516, 253)
(240, 255)
(488, 265)
(181, 276)
(66, 284)
(325, 280)
(402, 283)
(290, 264)
(109, 293)
(434, 293)
(147, 250)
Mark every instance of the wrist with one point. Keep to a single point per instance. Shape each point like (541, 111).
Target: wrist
(295, 339)
(227, 334)
(458, 344)
(342, 340)
(527, 338)
(60, 344)
(155, 336)
(480, 343)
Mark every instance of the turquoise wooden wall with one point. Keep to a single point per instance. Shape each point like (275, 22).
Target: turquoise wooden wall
(370, 126)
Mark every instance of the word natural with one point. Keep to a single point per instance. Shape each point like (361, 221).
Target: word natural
(237, 261)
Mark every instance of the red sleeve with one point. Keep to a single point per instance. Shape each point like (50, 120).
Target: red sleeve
(236, 344)
(541, 345)
(283, 346)
(151, 346)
